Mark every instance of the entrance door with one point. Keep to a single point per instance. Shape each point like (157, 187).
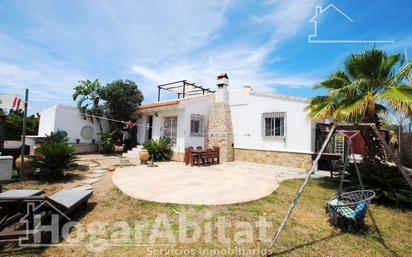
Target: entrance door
(149, 130)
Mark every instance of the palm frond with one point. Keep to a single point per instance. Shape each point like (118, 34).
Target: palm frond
(389, 63)
(351, 110)
(334, 81)
(365, 65)
(321, 107)
(403, 73)
(398, 97)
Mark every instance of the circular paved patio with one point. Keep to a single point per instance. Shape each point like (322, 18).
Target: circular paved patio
(215, 185)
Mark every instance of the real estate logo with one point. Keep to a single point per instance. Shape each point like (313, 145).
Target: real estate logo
(315, 37)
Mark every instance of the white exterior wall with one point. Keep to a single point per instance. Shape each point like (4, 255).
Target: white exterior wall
(47, 120)
(247, 108)
(183, 111)
(141, 129)
(69, 119)
(158, 124)
(201, 106)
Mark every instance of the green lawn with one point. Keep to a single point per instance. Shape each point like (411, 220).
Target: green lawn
(308, 232)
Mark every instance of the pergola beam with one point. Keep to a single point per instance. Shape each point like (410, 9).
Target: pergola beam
(171, 87)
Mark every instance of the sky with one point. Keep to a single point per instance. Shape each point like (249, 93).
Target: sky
(48, 46)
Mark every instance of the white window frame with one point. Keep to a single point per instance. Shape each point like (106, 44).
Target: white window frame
(169, 130)
(277, 127)
(201, 128)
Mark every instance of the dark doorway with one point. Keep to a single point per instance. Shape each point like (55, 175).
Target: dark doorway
(149, 129)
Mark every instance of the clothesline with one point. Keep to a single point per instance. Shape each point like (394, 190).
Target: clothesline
(161, 128)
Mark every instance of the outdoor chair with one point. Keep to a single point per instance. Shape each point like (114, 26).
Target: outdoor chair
(14, 206)
(188, 155)
(191, 157)
(207, 157)
(216, 155)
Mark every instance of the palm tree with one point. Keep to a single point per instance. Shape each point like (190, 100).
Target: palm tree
(371, 84)
(87, 94)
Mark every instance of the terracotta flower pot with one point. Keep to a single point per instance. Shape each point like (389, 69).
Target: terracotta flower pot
(26, 166)
(36, 152)
(144, 156)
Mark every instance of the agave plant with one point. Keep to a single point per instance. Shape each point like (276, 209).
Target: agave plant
(55, 159)
(159, 150)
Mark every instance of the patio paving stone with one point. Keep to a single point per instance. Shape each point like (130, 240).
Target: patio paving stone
(227, 183)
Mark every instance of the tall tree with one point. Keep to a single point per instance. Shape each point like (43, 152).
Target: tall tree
(14, 125)
(370, 84)
(87, 94)
(122, 98)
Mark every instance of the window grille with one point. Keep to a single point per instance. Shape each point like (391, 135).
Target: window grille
(274, 124)
(197, 125)
(170, 128)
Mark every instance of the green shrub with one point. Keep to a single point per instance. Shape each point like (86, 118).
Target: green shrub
(386, 181)
(14, 125)
(55, 159)
(56, 137)
(106, 142)
(160, 149)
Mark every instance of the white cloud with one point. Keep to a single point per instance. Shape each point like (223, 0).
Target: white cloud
(47, 84)
(64, 42)
(245, 65)
(149, 41)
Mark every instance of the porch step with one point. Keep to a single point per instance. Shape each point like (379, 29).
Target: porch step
(134, 153)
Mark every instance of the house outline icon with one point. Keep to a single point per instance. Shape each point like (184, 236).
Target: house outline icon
(31, 209)
(315, 19)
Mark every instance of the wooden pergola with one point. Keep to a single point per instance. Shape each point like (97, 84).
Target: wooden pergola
(182, 88)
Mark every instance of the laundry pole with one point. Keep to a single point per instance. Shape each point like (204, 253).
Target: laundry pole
(23, 140)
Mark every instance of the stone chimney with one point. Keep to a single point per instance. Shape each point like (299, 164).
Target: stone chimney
(222, 82)
(247, 88)
(220, 131)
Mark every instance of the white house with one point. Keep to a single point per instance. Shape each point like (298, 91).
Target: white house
(184, 121)
(82, 131)
(247, 125)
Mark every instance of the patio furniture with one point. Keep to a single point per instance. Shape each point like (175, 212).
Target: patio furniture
(197, 157)
(188, 154)
(200, 156)
(191, 157)
(62, 203)
(7, 215)
(216, 155)
(207, 157)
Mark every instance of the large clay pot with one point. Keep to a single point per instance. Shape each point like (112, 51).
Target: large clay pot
(26, 166)
(36, 152)
(144, 156)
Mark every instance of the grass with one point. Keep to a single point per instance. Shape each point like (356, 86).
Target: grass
(308, 232)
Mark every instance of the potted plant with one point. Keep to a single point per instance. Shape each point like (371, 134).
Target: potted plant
(144, 156)
(159, 150)
(26, 165)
